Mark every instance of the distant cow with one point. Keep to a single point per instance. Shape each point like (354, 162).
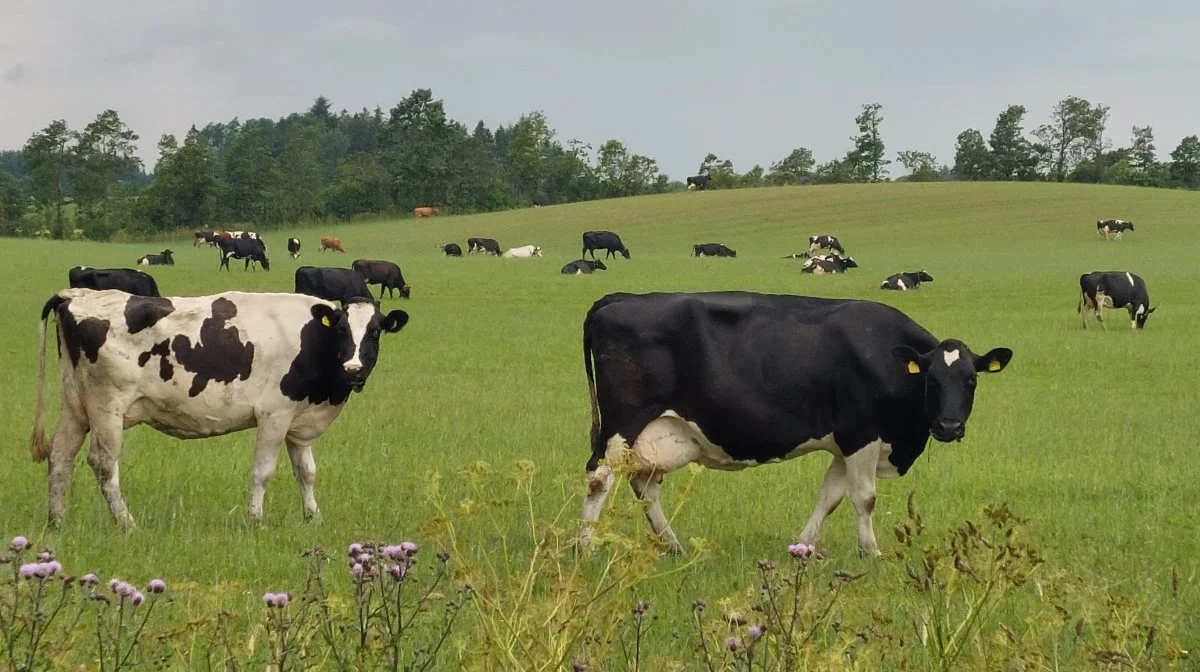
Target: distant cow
(698, 182)
(425, 212)
(124, 279)
(906, 281)
(451, 250)
(523, 252)
(1112, 227)
(204, 236)
(583, 267)
(243, 234)
(603, 240)
(824, 265)
(1114, 289)
(294, 247)
(798, 255)
(712, 250)
(485, 245)
(252, 250)
(824, 242)
(162, 259)
(331, 243)
(332, 284)
(201, 366)
(383, 273)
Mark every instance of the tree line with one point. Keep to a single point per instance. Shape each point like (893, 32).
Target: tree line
(320, 165)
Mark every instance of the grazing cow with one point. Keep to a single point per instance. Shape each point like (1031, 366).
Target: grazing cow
(1112, 227)
(830, 264)
(383, 273)
(294, 247)
(603, 240)
(194, 367)
(124, 279)
(253, 250)
(523, 252)
(735, 379)
(332, 284)
(425, 212)
(583, 267)
(162, 259)
(698, 182)
(1114, 289)
(451, 250)
(485, 245)
(330, 243)
(824, 242)
(712, 250)
(205, 236)
(798, 255)
(906, 281)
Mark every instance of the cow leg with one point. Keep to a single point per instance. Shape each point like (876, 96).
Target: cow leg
(861, 468)
(833, 489)
(102, 457)
(599, 484)
(646, 488)
(68, 439)
(271, 433)
(304, 467)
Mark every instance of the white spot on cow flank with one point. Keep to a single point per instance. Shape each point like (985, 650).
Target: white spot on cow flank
(900, 282)
(951, 356)
(1130, 276)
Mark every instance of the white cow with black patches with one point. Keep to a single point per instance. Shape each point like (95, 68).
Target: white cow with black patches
(194, 367)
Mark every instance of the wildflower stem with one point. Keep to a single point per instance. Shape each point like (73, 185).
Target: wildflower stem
(137, 633)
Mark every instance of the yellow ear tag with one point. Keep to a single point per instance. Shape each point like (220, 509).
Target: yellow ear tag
(913, 368)
(993, 366)
(325, 321)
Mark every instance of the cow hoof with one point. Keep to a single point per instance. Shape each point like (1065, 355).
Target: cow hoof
(313, 516)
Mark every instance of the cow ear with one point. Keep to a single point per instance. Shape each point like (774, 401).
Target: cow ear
(325, 315)
(394, 321)
(994, 361)
(1152, 310)
(913, 361)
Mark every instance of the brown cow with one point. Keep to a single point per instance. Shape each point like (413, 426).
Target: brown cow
(425, 212)
(330, 243)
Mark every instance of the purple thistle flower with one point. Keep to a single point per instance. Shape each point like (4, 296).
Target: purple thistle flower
(269, 599)
(42, 570)
(53, 567)
(137, 598)
(357, 570)
(755, 632)
(281, 600)
(732, 643)
(397, 571)
(157, 586)
(125, 589)
(45, 556)
(19, 543)
(801, 551)
(408, 547)
(579, 666)
(28, 571)
(354, 549)
(113, 583)
(90, 579)
(364, 558)
(393, 552)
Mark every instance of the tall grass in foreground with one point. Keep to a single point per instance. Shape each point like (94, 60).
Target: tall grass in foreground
(977, 596)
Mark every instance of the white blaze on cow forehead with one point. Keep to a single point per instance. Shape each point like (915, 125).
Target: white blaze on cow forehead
(951, 356)
(358, 316)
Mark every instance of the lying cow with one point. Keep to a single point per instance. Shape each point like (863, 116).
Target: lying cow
(1112, 227)
(332, 284)
(523, 252)
(162, 259)
(583, 267)
(331, 243)
(712, 250)
(485, 245)
(451, 250)
(124, 279)
(294, 247)
(677, 378)
(195, 367)
(906, 281)
(252, 250)
(425, 212)
(829, 264)
(1114, 289)
(825, 242)
(384, 273)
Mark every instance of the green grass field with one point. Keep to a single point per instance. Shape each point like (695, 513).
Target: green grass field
(1091, 434)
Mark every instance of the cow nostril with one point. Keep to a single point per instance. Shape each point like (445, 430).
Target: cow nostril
(951, 426)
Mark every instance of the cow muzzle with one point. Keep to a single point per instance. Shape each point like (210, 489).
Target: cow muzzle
(948, 430)
(354, 375)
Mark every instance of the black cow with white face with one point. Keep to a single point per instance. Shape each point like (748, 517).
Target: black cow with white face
(294, 247)
(1112, 227)
(825, 242)
(828, 264)
(453, 250)
(162, 259)
(386, 274)
(903, 282)
(124, 279)
(195, 367)
(1114, 289)
(603, 240)
(583, 267)
(332, 284)
(252, 250)
(698, 182)
(485, 245)
(731, 380)
(712, 250)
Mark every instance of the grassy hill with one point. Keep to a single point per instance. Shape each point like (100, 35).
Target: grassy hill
(1092, 435)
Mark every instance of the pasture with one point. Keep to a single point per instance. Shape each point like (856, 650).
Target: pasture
(1090, 434)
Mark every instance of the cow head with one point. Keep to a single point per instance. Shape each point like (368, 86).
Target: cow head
(625, 252)
(598, 265)
(1142, 313)
(405, 291)
(848, 262)
(356, 328)
(949, 372)
(923, 276)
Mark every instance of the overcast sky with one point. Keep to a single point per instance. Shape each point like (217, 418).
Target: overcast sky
(748, 80)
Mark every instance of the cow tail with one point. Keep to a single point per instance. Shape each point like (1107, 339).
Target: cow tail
(591, 375)
(39, 444)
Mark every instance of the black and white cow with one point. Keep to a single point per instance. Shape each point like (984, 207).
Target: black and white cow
(451, 249)
(731, 380)
(485, 245)
(906, 281)
(603, 240)
(1112, 227)
(712, 250)
(195, 367)
(1114, 289)
(332, 284)
(124, 279)
(386, 274)
(798, 255)
(253, 250)
(825, 242)
(829, 264)
(583, 267)
(204, 236)
(162, 259)
(294, 247)
(698, 182)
